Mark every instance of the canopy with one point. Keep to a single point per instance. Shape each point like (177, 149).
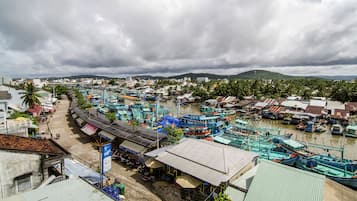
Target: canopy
(79, 122)
(21, 119)
(186, 181)
(152, 163)
(132, 147)
(74, 116)
(89, 129)
(106, 135)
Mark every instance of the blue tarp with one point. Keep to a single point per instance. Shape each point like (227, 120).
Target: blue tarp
(167, 121)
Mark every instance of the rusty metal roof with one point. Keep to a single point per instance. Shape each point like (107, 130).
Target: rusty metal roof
(25, 144)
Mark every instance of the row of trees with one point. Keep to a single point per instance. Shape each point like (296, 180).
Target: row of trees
(337, 90)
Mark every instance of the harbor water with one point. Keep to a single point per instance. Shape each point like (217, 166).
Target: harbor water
(325, 138)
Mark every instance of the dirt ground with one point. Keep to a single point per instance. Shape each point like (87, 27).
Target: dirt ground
(83, 150)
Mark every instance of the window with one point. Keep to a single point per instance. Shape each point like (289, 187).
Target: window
(23, 182)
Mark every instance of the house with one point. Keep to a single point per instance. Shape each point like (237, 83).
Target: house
(316, 110)
(294, 105)
(210, 165)
(318, 103)
(351, 107)
(331, 106)
(75, 189)
(26, 163)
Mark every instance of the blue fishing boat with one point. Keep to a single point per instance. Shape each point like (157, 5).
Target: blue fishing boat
(309, 127)
(339, 175)
(349, 165)
(215, 123)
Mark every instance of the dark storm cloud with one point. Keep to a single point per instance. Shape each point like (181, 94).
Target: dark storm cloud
(175, 36)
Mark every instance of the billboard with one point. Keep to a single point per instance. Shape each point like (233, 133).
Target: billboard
(106, 158)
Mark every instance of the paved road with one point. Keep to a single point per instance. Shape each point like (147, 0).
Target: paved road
(83, 150)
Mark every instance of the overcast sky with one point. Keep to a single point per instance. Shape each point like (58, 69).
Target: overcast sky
(116, 37)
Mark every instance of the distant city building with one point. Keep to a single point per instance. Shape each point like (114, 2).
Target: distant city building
(202, 79)
(38, 83)
(5, 80)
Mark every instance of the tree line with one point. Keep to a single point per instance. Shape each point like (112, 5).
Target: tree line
(343, 91)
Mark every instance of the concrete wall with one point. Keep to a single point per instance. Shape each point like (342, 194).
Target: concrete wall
(16, 164)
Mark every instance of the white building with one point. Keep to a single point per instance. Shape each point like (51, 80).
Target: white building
(202, 79)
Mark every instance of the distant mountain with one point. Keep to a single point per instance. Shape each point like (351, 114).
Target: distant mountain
(80, 77)
(254, 74)
(196, 75)
(338, 77)
(263, 74)
(248, 75)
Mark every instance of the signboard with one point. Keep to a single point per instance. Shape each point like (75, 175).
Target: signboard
(106, 158)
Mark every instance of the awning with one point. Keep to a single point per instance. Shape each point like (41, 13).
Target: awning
(89, 129)
(132, 147)
(74, 115)
(152, 163)
(186, 181)
(106, 135)
(79, 122)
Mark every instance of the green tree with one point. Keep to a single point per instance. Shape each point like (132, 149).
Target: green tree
(111, 116)
(173, 134)
(112, 82)
(222, 197)
(29, 97)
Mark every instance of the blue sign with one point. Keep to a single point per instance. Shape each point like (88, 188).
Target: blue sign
(106, 158)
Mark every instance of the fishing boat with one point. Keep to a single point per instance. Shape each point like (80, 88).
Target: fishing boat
(300, 126)
(215, 123)
(339, 175)
(349, 165)
(206, 109)
(262, 145)
(320, 128)
(309, 127)
(196, 132)
(336, 129)
(286, 120)
(351, 131)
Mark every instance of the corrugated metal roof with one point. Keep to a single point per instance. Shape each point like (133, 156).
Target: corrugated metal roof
(133, 146)
(208, 161)
(235, 194)
(69, 190)
(276, 182)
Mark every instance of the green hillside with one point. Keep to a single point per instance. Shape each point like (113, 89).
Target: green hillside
(263, 74)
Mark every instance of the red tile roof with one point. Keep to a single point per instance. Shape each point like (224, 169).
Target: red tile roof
(17, 143)
(276, 109)
(314, 109)
(340, 114)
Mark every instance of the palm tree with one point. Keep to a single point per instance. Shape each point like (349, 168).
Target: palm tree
(30, 98)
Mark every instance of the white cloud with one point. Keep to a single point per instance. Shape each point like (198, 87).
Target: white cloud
(175, 36)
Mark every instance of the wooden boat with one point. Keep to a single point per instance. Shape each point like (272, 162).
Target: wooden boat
(309, 127)
(197, 132)
(300, 126)
(341, 176)
(286, 120)
(351, 131)
(320, 128)
(336, 129)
